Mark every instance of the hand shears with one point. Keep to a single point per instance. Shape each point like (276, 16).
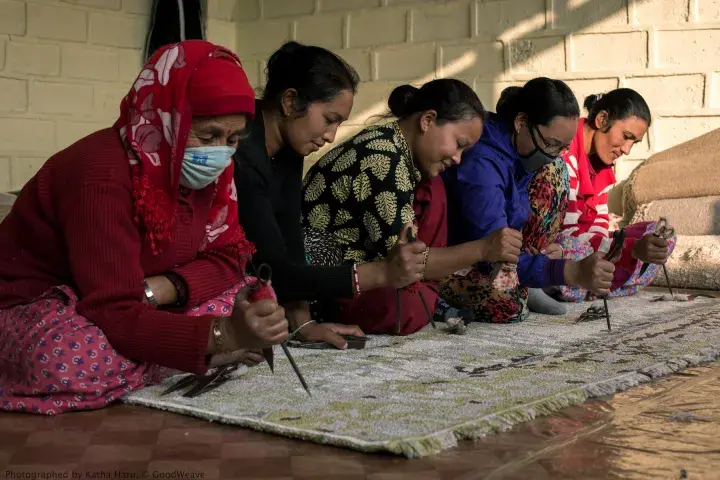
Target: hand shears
(665, 231)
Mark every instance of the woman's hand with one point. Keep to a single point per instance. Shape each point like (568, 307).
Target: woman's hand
(553, 251)
(256, 325)
(503, 245)
(405, 263)
(163, 290)
(330, 333)
(246, 357)
(591, 273)
(651, 249)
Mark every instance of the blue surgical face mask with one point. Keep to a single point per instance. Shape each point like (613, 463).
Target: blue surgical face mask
(203, 165)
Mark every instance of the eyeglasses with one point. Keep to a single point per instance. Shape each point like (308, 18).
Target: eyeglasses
(552, 151)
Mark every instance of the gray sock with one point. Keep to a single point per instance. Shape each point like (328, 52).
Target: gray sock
(541, 302)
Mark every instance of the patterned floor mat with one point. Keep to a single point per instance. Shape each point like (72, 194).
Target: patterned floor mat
(417, 395)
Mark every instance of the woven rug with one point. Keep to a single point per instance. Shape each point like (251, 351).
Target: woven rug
(418, 395)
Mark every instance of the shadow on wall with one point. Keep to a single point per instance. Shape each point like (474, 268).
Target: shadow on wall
(527, 40)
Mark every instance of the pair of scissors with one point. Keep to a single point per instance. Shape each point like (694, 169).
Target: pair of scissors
(412, 239)
(665, 231)
(203, 383)
(611, 256)
(261, 283)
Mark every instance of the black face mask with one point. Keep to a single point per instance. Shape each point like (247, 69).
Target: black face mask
(537, 158)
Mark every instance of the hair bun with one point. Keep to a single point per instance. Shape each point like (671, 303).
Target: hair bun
(591, 100)
(401, 98)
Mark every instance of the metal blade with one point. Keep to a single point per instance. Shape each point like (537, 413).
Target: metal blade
(186, 381)
(295, 367)
(269, 358)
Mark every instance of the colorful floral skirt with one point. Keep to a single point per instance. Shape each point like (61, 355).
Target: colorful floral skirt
(54, 360)
(474, 289)
(626, 281)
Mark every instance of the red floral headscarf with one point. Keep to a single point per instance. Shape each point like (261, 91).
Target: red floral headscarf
(182, 80)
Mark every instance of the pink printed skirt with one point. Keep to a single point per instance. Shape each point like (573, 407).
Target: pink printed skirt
(53, 360)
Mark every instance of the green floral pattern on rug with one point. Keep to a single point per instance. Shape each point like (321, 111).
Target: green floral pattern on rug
(418, 395)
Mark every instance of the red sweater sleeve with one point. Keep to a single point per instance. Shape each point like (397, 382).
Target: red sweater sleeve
(103, 247)
(210, 274)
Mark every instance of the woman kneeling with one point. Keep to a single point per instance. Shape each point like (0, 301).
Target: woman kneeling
(123, 255)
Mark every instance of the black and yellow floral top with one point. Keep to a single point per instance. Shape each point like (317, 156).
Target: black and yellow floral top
(360, 194)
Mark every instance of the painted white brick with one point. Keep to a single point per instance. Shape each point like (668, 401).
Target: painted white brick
(509, 18)
(13, 95)
(12, 17)
(138, 7)
(321, 30)
(287, 8)
(689, 48)
(103, 4)
(26, 135)
(380, 26)
(82, 61)
(407, 63)
(651, 12)
(127, 31)
(669, 92)
(57, 23)
(347, 5)
(584, 87)
(359, 59)
(62, 98)
(709, 10)
(262, 37)
(590, 15)
(484, 60)
(33, 58)
(629, 51)
(23, 169)
(5, 184)
(672, 131)
(448, 21)
(538, 55)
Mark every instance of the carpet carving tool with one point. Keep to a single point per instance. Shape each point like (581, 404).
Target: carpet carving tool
(412, 239)
(261, 290)
(665, 231)
(612, 256)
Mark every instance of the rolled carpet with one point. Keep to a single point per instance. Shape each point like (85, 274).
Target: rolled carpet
(695, 263)
(690, 169)
(689, 216)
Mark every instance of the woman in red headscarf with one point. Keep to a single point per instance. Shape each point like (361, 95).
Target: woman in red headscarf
(116, 258)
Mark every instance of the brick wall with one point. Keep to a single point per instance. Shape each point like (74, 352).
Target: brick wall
(669, 50)
(64, 67)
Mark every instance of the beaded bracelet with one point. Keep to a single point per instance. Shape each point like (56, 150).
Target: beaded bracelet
(426, 252)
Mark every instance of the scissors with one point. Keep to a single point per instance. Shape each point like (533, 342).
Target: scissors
(665, 231)
(257, 292)
(611, 256)
(412, 239)
(203, 383)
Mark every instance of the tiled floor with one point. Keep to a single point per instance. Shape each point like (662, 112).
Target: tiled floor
(626, 437)
(629, 436)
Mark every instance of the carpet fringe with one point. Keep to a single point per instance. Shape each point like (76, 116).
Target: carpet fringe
(508, 419)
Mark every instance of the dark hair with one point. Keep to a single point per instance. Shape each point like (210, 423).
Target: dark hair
(452, 100)
(619, 104)
(541, 99)
(317, 75)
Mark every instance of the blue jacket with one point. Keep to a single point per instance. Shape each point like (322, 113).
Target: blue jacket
(489, 191)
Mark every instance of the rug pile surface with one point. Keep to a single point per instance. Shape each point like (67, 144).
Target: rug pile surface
(418, 395)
